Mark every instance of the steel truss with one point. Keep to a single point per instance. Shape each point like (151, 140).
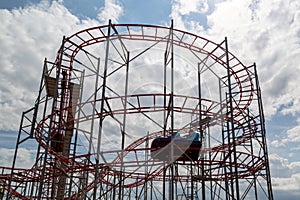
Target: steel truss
(112, 90)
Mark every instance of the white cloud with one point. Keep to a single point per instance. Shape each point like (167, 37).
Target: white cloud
(291, 136)
(29, 35)
(264, 32)
(285, 174)
(287, 184)
(282, 163)
(277, 143)
(182, 8)
(186, 7)
(112, 10)
(25, 157)
(267, 34)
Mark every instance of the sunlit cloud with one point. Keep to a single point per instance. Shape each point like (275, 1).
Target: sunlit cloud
(112, 11)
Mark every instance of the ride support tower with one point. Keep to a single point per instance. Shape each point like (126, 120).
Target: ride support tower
(136, 111)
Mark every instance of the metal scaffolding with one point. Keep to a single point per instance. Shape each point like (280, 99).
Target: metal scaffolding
(115, 89)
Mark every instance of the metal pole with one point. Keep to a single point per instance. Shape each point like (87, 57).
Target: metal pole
(121, 189)
(232, 122)
(201, 133)
(192, 183)
(264, 140)
(165, 119)
(94, 106)
(76, 138)
(51, 122)
(92, 124)
(146, 167)
(223, 143)
(172, 112)
(14, 159)
(253, 163)
(102, 108)
(32, 127)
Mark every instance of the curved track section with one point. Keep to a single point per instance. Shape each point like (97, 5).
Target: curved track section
(242, 89)
(133, 164)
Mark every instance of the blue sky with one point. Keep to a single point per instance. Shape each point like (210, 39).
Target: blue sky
(260, 31)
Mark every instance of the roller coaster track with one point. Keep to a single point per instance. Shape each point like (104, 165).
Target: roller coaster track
(242, 95)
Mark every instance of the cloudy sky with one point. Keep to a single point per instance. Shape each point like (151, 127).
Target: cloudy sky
(261, 31)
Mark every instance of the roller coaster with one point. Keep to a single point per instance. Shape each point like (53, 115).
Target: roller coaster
(135, 111)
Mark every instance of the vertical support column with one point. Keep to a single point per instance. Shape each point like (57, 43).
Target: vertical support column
(172, 112)
(33, 123)
(192, 182)
(201, 134)
(146, 167)
(14, 158)
(94, 107)
(41, 185)
(232, 130)
(102, 110)
(92, 123)
(264, 140)
(254, 185)
(35, 184)
(68, 134)
(223, 142)
(165, 118)
(121, 180)
(83, 181)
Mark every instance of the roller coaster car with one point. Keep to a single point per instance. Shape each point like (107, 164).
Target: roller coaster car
(184, 149)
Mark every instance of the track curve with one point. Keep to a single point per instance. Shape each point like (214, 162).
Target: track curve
(243, 93)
